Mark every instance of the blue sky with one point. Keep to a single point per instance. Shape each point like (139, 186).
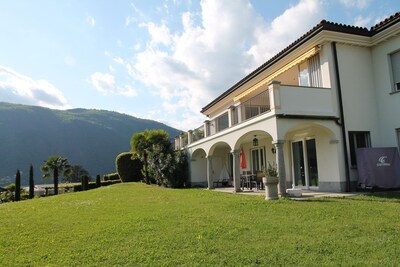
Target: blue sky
(153, 59)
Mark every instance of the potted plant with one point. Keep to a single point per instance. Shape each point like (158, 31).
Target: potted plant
(271, 181)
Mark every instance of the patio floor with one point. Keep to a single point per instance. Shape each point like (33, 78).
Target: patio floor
(305, 193)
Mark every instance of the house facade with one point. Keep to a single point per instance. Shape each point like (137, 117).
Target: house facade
(307, 109)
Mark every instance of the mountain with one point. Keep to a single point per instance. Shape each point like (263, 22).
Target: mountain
(87, 137)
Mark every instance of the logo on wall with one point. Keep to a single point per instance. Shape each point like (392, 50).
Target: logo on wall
(382, 162)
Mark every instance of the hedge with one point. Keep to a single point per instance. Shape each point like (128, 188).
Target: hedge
(129, 168)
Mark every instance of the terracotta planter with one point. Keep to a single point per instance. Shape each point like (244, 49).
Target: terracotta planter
(271, 187)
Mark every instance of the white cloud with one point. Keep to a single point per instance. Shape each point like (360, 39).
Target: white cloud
(159, 34)
(285, 29)
(361, 21)
(18, 88)
(91, 21)
(191, 67)
(360, 4)
(105, 84)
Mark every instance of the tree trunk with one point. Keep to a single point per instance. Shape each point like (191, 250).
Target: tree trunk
(146, 172)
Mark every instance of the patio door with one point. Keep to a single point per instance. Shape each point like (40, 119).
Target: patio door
(257, 159)
(304, 159)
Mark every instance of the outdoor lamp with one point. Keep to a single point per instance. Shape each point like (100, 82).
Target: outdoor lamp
(273, 150)
(255, 141)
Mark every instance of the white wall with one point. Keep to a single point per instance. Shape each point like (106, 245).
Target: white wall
(389, 104)
(358, 92)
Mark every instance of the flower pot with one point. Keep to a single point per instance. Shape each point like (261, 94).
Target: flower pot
(271, 187)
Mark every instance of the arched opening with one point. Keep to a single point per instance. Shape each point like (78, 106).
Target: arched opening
(313, 157)
(198, 169)
(221, 165)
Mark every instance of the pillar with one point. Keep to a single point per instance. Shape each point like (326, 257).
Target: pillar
(280, 161)
(181, 145)
(206, 128)
(274, 97)
(190, 137)
(209, 173)
(236, 170)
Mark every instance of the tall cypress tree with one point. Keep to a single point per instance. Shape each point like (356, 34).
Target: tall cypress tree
(17, 186)
(31, 183)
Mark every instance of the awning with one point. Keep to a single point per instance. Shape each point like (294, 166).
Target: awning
(269, 78)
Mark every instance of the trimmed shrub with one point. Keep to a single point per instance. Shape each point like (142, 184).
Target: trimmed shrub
(85, 182)
(31, 183)
(17, 196)
(105, 183)
(98, 182)
(111, 177)
(129, 168)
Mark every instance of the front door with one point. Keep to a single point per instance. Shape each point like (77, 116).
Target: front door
(304, 158)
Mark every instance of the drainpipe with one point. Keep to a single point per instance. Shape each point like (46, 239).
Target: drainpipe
(343, 128)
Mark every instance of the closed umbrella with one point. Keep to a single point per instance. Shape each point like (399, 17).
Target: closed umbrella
(242, 160)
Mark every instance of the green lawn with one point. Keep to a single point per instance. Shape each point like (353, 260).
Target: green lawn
(139, 225)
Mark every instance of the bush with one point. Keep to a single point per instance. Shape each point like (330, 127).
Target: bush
(111, 177)
(129, 168)
(93, 185)
(85, 182)
(98, 181)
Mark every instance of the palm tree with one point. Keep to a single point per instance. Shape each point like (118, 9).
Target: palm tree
(139, 145)
(143, 144)
(53, 167)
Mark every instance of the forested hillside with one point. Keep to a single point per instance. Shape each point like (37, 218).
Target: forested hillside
(91, 138)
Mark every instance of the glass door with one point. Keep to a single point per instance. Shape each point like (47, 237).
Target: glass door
(298, 164)
(305, 165)
(312, 163)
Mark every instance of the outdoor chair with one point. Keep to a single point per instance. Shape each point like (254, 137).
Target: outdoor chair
(221, 182)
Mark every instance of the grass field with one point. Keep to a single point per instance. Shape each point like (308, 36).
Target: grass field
(140, 225)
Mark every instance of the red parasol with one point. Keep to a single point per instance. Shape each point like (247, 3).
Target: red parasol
(242, 160)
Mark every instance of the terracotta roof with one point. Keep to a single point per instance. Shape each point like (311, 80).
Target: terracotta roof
(323, 25)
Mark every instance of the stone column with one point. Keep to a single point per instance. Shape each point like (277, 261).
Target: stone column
(280, 161)
(181, 141)
(190, 137)
(177, 143)
(209, 173)
(206, 128)
(236, 170)
(231, 109)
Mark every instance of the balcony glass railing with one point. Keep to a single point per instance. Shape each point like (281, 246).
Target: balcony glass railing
(198, 133)
(255, 106)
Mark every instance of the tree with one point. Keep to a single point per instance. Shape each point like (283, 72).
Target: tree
(17, 196)
(76, 174)
(53, 167)
(143, 144)
(31, 183)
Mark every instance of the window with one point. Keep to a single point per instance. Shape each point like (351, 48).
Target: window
(222, 122)
(357, 140)
(395, 60)
(310, 72)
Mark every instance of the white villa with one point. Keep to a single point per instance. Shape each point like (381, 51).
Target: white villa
(335, 89)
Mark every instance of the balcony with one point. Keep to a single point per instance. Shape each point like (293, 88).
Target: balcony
(274, 99)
